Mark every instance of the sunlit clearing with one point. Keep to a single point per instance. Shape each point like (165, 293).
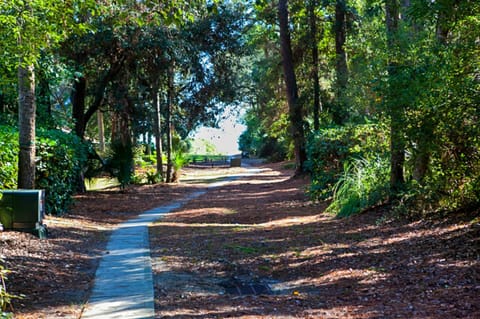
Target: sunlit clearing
(291, 221)
(202, 225)
(371, 275)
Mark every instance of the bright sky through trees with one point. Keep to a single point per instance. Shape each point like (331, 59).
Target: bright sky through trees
(225, 138)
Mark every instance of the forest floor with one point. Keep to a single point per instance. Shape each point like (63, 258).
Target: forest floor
(256, 247)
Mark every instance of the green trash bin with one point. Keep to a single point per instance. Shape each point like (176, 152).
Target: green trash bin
(23, 210)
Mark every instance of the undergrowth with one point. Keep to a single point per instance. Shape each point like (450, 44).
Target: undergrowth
(5, 297)
(364, 183)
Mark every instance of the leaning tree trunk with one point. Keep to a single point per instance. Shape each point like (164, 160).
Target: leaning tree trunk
(26, 126)
(294, 105)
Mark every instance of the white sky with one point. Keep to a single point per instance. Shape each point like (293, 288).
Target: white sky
(226, 137)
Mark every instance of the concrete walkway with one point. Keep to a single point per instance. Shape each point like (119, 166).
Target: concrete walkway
(123, 282)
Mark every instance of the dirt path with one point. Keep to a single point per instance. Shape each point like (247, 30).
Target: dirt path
(258, 248)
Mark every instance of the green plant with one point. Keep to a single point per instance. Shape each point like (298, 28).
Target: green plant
(330, 148)
(137, 179)
(364, 183)
(8, 157)
(5, 297)
(180, 159)
(61, 159)
(120, 162)
(153, 177)
(149, 159)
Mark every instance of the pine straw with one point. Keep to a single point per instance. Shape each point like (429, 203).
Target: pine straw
(263, 227)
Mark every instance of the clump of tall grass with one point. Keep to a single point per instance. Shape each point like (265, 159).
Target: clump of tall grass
(364, 183)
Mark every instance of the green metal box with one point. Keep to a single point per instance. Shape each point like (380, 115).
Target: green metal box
(22, 209)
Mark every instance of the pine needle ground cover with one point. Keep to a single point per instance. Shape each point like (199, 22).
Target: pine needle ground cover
(261, 232)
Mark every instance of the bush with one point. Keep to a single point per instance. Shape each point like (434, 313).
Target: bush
(273, 149)
(137, 179)
(8, 157)
(153, 177)
(121, 162)
(61, 158)
(330, 148)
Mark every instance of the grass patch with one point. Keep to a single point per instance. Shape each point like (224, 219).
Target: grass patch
(101, 183)
(364, 183)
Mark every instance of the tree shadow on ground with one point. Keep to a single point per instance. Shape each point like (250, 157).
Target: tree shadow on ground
(323, 267)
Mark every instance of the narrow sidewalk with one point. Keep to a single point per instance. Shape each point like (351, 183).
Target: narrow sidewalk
(123, 281)
(123, 285)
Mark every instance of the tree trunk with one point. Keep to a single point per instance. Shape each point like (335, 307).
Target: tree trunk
(78, 105)
(397, 142)
(442, 29)
(148, 149)
(341, 68)
(101, 131)
(26, 127)
(158, 133)
(295, 107)
(80, 113)
(340, 38)
(422, 162)
(168, 119)
(317, 106)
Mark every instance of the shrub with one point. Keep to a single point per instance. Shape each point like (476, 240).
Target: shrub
(8, 157)
(330, 148)
(137, 179)
(149, 159)
(180, 159)
(61, 158)
(120, 163)
(273, 149)
(153, 177)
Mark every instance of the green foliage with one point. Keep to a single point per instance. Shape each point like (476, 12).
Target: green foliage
(8, 157)
(180, 150)
(270, 141)
(180, 159)
(29, 27)
(5, 297)
(149, 159)
(364, 183)
(61, 158)
(120, 162)
(6, 315)
(273, 149)
(137, 179)
(330, 149)
(205, 158)
(153, 177)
